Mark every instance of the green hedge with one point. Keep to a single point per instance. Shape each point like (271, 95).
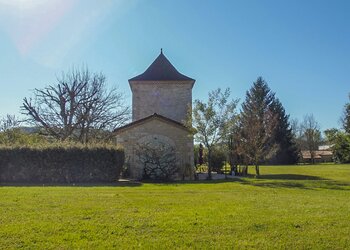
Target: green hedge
(60, 164)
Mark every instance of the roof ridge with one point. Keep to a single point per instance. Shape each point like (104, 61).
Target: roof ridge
(155, 115)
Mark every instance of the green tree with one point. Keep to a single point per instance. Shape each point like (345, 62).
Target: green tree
(234, 144)
(340, 145)
(288, 152)
(346, 117)
(331, 134)
(340, 140)
(218, 158)
(341, 148)
(257, 125)
(213, 119)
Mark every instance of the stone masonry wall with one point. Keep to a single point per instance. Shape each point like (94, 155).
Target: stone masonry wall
(158, 128)
(169, 99)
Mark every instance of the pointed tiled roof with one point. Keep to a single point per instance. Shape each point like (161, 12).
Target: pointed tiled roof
(161, 70)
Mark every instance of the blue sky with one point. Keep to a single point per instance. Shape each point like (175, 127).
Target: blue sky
(301, 48)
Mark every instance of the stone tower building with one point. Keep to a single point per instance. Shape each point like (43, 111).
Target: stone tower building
(161, 89)
(161, 98)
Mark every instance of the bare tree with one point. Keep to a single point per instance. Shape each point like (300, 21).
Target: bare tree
(311, 135)
(297, 133)
(9, 122)
(77, 107)
(295, 127)
(10, 132)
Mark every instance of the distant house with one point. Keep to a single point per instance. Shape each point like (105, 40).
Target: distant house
(323, 154)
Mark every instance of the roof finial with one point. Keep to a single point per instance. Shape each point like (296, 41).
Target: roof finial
(161, 50)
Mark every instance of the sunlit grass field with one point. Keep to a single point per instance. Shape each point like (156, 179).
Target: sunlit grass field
(289, 207)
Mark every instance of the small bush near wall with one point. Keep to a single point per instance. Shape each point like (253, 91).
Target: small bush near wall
(218, 158)
(60, 164)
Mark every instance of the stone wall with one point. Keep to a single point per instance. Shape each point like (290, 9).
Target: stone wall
(157, 129)
(169, 99)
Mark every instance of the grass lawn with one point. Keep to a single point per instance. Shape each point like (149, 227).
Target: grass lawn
(289, 207)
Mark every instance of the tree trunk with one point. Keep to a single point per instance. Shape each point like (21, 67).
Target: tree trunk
(257, 171)
(209, 164)
(244, 170)
(312, 156)
(234, 169)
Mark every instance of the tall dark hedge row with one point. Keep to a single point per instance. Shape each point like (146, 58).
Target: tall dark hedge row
(60, 164)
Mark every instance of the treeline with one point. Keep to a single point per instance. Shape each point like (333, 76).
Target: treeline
(260, 133)
(308, 137)
(340, 138)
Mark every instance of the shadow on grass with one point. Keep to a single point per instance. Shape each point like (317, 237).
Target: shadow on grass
(277, 184)
(296, 181)
(293, 181)
(312, 185)
(99, 184)
(290, 177)
(336, 185)
(246, 178)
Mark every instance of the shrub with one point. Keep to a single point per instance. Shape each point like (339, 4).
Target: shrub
(17, 137)
(217, 160)
(58, 164)
(201, 168)
(341, 148)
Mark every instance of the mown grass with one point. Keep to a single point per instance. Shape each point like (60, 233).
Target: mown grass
(289, 207)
